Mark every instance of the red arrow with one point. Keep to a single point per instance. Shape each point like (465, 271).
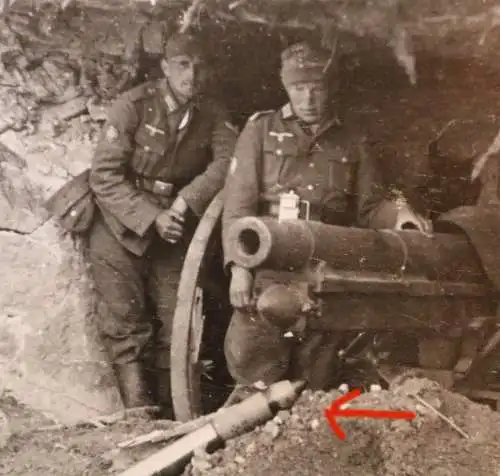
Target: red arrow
(336, 411)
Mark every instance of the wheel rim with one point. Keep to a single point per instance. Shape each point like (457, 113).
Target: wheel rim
(188, 322)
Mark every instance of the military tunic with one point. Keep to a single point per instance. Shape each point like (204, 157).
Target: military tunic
(333, 171)
(148, 135)
(151, 150)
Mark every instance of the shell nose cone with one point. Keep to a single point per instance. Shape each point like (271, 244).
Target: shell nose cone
(298, 386)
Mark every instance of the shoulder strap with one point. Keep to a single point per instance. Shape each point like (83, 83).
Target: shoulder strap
(258, 114)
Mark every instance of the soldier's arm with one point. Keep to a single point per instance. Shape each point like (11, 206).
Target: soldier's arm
(109, 166)
(370, 184)
(200, 192)
(242, 189)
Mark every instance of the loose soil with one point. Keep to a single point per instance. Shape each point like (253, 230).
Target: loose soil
(298, 442)
(302, 442)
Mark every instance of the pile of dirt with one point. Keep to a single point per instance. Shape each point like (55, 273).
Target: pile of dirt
(302, 442)
(299, 441)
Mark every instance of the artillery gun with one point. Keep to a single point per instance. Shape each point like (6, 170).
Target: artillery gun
(402, 299)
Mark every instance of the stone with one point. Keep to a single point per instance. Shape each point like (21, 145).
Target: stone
(50, 357)
(68, 110)
(283, 415)
(201, 464)
(251, 448)
(314, 424)
(5, 432)
(343, 388)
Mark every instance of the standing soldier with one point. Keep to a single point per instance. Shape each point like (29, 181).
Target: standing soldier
(304, 148)
(162, 157)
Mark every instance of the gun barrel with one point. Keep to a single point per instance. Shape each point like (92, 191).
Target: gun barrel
(265, 242)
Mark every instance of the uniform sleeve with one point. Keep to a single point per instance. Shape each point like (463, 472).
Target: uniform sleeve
(199, 193)
(242, 189)
(107, 178)
(371, 187)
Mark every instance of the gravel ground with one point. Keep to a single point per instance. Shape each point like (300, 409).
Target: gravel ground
(296, 442)
(301, 442)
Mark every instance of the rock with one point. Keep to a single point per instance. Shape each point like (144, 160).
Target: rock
(120, 461)
(250, 449)
(295, 419)
(239, 460)
(5, 432)
(19, 210)
(272, 429)
(277, 420)
(50, 357)
(283, 415)
(68, 110)
(401, 425)
(201, 464)
(344, 388)
(314, 424)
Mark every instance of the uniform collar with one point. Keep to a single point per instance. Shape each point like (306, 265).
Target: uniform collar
(287, 111)
(168, 96)
(180, 114)
(329, 121)
(170, 100)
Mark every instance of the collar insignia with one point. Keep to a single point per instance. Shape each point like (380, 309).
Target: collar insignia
(153, 130)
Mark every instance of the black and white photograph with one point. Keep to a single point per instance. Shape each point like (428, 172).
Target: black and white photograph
(250, 237)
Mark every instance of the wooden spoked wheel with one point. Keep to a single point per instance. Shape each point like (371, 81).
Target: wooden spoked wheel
(201, 295)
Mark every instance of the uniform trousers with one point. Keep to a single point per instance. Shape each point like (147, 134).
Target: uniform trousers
(136, 298)
(257, 351)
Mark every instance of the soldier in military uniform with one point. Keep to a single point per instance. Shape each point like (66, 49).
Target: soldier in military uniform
(163, 156)
(304, 147)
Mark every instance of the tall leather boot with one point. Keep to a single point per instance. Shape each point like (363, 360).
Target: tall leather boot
(164, 394)
(132, 385)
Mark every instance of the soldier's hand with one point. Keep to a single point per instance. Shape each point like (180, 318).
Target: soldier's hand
(408, 219)
(240, 290)
(180, 206)
(170, 225)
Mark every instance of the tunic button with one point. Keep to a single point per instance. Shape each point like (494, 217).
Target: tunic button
(344, 160)
(279, 152)
(310, 187)
(311, 164)
(147, 148)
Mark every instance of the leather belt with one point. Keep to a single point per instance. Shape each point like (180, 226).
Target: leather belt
(157, 187)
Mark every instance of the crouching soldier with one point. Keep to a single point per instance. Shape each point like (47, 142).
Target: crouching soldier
(304, 147)
(162, 157)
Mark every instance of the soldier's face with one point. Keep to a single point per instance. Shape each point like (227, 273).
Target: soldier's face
(186, 75)
(309, 100)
